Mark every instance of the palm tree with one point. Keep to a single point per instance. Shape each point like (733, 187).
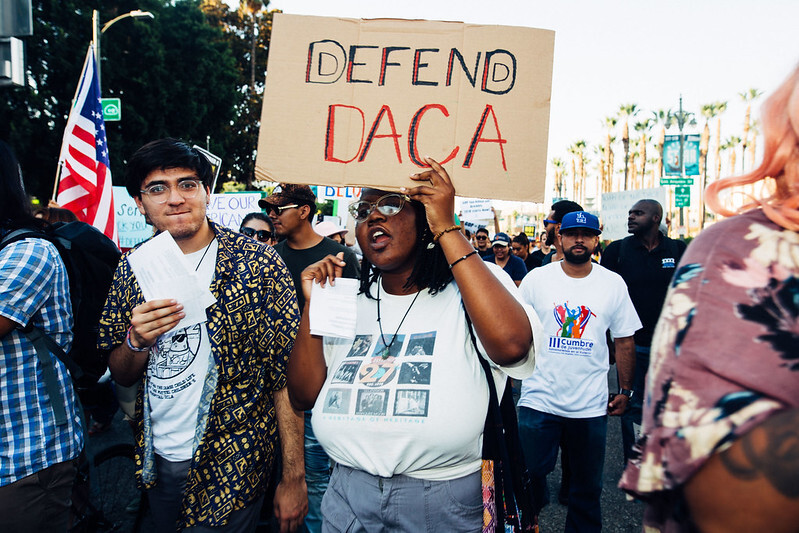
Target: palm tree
(610, 123)
(664, 118)
(560, 168)
(748, 97)
(578, 151)
(731, 144)
(721, 107)
(625, 112)
(754, 128)
(643, 128)
(599, 152)
(708, 111)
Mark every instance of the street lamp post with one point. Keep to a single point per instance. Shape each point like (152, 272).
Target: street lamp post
(97, 32)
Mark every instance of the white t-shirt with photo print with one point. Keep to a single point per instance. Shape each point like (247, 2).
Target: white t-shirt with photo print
(415, 405)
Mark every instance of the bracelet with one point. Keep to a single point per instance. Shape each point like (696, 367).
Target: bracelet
(130, 344)
(443, 231)
(462, 258)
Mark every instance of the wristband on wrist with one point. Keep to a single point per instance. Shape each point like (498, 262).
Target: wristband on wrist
(130, 344)
(458, 260)
(443, 231)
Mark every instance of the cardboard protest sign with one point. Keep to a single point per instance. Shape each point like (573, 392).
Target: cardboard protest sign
(360, 102)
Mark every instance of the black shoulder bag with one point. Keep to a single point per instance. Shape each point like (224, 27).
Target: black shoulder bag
(507, 488)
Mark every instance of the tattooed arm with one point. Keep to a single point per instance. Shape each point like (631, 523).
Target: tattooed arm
(754, 484)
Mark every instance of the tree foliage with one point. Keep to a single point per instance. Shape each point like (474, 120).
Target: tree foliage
(175, 74)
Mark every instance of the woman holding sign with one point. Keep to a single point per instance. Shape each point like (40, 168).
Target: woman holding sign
(401, 407)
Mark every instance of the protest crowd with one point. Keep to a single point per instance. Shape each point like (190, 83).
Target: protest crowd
(403, 373)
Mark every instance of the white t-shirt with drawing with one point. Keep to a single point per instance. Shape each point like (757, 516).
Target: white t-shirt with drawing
(570, 377)
(417, 406)
(176, 374)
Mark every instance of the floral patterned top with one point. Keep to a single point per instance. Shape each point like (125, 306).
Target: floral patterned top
(252, 327)
(725, 356)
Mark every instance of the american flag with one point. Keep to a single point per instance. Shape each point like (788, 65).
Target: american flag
(85, 186)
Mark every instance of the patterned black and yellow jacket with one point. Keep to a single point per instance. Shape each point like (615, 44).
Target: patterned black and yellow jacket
(252, 327)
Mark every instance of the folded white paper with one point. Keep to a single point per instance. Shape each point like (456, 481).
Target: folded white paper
(332, 311)
(162, 273)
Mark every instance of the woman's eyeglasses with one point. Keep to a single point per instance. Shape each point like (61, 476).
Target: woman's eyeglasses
(261, 234)
(388, 205)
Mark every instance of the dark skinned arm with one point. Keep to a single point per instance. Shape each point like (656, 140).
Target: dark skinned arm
(625, 364)
(499, 319)
(754, 484)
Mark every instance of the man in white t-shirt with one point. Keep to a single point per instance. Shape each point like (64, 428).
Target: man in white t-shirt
(567, 396)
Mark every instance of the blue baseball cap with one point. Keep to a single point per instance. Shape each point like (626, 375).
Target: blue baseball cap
(501, 239)
(582, 220)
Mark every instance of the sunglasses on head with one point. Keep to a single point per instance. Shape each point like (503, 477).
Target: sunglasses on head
(261, 234)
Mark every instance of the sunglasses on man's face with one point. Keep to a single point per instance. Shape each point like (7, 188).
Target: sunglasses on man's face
(480, 237)
(261, 234)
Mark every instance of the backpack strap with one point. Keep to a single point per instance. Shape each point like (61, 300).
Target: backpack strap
(44, 345)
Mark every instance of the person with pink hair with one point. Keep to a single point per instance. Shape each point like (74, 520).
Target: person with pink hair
(719, 449)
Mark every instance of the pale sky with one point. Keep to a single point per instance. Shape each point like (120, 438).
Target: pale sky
(613, 52)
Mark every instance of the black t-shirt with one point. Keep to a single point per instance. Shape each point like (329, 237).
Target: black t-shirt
(297, 260)
(534, 260)
(647, 275)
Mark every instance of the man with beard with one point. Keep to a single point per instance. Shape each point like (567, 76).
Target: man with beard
(646, 260)
(552, 226)
(566, 398)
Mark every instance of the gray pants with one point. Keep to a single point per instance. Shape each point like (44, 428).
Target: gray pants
(359, 502)
(167, 496)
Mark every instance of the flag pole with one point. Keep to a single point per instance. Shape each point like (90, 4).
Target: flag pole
(71, 105)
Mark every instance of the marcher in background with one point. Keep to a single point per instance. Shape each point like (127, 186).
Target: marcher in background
(329, 229)
(503, 257)
(719, 447)
(401, 408)
(646, 260)
(565, 402)
(482, 240)
(259, 226)
(213, 397)
(55, 214)
(291, 208)
(520, 245)
(552, 227)
(37, 449)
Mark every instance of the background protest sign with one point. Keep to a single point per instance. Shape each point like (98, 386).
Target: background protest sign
(616, 207)
(227, 209)
(361, 102)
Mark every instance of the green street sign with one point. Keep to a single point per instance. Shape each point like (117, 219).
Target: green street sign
(676, 180)
(112, 109)
(682, 197)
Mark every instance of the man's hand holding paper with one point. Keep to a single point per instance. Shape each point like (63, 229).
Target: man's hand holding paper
(173, 294)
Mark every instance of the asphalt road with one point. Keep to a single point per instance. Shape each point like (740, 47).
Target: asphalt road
(618, 514)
